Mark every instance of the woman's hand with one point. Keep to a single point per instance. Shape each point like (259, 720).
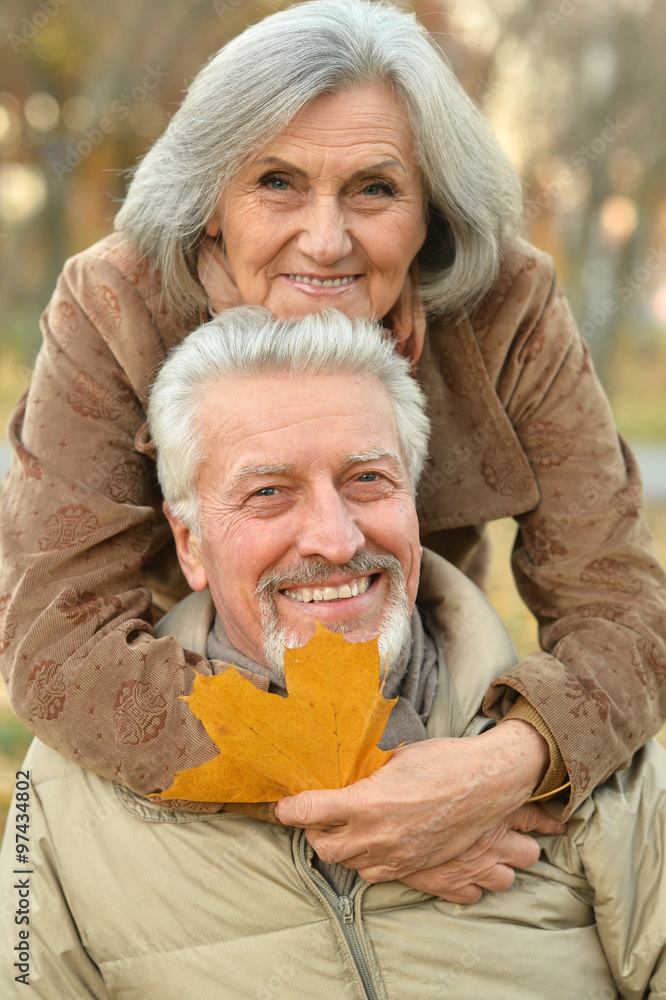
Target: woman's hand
(407, 320)
(430, 803)
(490, 862)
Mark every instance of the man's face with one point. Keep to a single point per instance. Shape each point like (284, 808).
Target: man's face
(306, 509)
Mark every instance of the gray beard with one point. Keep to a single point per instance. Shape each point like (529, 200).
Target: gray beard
(394, 629)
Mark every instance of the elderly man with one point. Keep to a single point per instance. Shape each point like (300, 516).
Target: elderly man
(288, 454)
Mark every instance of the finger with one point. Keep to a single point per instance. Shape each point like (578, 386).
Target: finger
(499, 878)
(533, 817)
(517, 850)
(471, 894)
(428, 882)
(334, 848)
(316, 810)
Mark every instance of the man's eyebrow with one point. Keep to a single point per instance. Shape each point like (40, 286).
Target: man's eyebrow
(374, 455)
(373, 168)
(256, 470)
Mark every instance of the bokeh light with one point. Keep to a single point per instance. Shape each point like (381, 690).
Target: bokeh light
(618, 217)
(659, 304)
(50, 44)
(23, 192)
(42, 111)
(78, 113)
(10, 119)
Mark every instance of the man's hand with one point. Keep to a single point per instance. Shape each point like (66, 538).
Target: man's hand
(430, 803)
(490, 862)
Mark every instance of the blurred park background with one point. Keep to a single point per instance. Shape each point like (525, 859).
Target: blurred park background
(574, 89)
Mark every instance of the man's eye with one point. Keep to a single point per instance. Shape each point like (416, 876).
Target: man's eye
(368, 477)
(265, 491)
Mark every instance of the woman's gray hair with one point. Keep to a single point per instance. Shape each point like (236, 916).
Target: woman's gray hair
(249, 341)
(251, 90)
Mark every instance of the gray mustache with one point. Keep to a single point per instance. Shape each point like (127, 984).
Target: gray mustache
(312, 571)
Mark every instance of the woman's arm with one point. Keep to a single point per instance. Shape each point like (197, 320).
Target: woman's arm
(584, 561)
(80, 522)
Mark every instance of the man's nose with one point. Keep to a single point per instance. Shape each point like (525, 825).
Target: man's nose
(329, 530)
(324, 237)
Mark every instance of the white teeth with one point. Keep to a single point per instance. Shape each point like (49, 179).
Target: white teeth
(326, 283)
(306, 595)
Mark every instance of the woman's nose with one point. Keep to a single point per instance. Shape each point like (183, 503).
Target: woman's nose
(328, 529)
(324, 237)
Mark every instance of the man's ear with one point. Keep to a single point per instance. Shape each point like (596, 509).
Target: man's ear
(188, 548)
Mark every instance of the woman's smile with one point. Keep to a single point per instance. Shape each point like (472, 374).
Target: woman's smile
(321, 286)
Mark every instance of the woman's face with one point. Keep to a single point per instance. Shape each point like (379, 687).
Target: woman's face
(329, 214)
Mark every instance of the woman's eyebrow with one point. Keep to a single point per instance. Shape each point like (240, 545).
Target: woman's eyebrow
(275, 161)
(375, 167)
(372, 168)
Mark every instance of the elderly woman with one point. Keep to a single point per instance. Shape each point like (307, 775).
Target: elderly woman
(327, 157)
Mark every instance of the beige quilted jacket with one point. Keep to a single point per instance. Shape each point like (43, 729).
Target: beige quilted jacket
(130, 901)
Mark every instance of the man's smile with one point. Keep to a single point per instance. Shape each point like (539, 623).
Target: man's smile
(328, 593)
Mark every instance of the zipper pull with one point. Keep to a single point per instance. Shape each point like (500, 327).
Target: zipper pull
(346, 909)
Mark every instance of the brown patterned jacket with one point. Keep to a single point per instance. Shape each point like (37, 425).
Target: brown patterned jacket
(520, 427)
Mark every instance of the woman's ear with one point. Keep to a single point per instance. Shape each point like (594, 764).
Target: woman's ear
(188, 548)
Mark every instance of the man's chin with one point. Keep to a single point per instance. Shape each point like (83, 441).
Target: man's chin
(381, 610)
(394, 633)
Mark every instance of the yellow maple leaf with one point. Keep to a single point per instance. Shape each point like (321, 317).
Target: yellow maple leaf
(324, 734)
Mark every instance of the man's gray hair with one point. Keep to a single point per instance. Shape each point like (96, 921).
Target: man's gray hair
(251, 90)
(249, 341)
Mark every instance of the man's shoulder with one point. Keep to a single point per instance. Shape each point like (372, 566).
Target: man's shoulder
(476, 646)
(46, 765)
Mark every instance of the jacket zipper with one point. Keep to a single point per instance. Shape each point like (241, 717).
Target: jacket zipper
(343, 907)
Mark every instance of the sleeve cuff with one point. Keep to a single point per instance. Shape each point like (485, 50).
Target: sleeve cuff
(556, 778)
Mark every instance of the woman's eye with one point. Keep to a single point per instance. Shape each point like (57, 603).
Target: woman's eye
(377, 188)
(275, 182)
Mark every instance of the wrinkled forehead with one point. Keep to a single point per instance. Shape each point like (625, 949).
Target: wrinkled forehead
(300, 426)
(357, 122)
